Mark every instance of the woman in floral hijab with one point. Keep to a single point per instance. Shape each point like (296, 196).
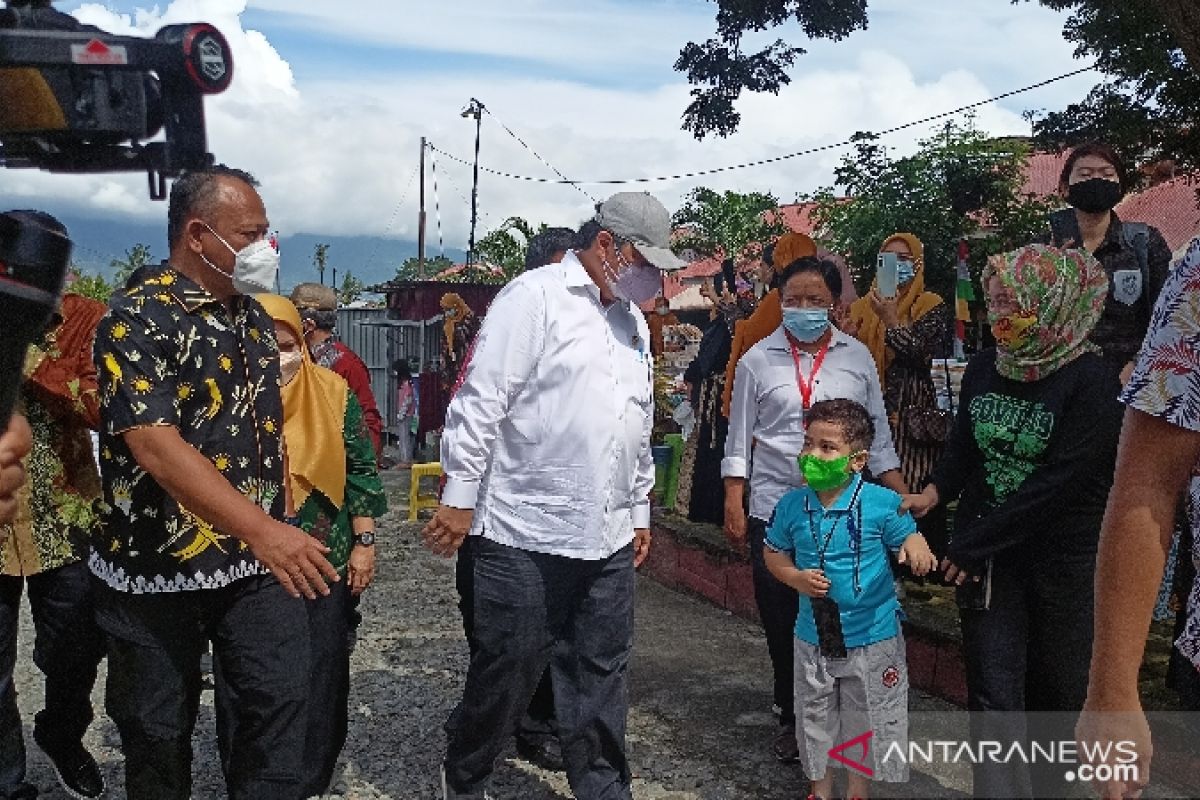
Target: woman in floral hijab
(1030, 461)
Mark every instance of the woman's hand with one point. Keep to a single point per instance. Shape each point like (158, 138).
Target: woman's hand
(956, 574)
(361, 569)
(735, 523)
(886, 308)
(920, 504)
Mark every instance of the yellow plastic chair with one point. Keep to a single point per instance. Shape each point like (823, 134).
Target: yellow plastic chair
(416, 500)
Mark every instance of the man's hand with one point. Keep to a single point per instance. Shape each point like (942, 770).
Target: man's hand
(920, 504)
(445, 533)
(843, 321)
(1102, 727)
(811, 582)
(641, 546)
(735, 523)
(15, 444)
(361, 569)
(296, 559)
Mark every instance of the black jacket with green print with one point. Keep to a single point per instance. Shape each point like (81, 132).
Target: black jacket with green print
(1031, 463)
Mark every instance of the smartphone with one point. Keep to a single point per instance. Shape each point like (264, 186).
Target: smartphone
(829, 627)
(885, 274)
(976, 595)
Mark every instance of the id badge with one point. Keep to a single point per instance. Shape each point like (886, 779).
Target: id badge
(829, 627)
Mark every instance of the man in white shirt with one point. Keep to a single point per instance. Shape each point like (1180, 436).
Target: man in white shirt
(546, 452)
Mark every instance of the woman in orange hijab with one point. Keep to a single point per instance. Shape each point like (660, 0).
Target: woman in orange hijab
(902, 334)
(334, 493)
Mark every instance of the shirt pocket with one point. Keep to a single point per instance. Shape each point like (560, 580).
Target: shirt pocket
(635, 375)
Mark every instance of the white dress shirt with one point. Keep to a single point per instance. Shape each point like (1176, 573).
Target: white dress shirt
(548, 439)
(766, 413)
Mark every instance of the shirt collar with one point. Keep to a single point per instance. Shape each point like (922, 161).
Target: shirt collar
(842, 503)
(777, 339)
(186, 292)
(574, 272)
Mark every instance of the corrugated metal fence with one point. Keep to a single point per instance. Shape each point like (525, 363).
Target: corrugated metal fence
(380, 342)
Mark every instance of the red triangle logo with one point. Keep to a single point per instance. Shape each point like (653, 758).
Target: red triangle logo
(863, 741)
(97, 48)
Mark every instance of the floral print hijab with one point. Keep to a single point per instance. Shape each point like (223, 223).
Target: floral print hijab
(1060, 296)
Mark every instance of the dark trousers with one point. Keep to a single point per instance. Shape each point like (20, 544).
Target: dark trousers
(67, 649)
(328, 692)
(778, 605)
(1029, 652)
(530, 610)
(260, 643)
(537, 724)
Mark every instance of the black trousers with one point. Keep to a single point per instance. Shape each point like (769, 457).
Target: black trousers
(67, 649)
(530, 610)
(1027, 660)
(778, 605)
(260, 643)
(537, 724)
(328, 692)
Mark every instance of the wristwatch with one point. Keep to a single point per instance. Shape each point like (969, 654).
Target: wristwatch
(366, 538)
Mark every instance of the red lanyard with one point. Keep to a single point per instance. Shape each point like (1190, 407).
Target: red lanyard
(806, 387)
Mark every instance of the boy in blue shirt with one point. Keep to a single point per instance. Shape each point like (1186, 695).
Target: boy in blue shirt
(829, 540)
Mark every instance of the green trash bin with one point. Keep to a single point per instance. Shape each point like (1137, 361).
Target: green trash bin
(675, 442)
(662, 463)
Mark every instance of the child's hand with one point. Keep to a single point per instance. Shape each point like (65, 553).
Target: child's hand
(916, 554)
(812, 582)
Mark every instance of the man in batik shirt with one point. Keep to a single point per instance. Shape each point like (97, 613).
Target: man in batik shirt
(194, 548)
(46, 548)
(1159, 459)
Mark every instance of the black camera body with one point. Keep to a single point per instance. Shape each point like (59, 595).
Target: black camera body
(76, 99)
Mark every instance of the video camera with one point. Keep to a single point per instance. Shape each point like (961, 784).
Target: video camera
(76, 99)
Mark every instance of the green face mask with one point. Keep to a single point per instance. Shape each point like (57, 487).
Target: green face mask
(824, 475)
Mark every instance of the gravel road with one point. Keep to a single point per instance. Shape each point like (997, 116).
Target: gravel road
(699, 724)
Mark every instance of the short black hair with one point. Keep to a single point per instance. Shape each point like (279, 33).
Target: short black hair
(850, 417)
(545, 244)
(324, 319)
(828, 270)
(194, 192)
(1098, 149)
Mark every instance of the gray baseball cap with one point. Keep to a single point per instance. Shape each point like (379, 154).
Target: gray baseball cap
(643, 220)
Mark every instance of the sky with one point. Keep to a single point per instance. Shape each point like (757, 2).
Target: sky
(329, 102)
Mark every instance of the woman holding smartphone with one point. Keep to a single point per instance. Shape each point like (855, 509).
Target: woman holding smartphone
(903, 329)
(1030, 461)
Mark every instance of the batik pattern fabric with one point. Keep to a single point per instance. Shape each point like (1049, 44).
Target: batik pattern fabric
(170, 354)
(364, 493)
(1166, 384)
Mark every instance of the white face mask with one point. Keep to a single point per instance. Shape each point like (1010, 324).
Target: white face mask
(254, 267)
(636, 284)
(289, 364)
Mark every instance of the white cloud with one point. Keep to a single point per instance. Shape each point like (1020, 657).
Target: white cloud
(334, 155)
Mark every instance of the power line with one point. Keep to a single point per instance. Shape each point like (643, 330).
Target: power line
(773, 159)
(574, 184)
(395, 214)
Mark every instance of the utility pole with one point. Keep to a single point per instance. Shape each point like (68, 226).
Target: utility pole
(421, 219)
(474, 109)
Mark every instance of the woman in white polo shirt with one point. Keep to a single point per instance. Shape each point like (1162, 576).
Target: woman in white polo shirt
(804, 360)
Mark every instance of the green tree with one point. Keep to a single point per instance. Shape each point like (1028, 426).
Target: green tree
(135, 258)
(351, 291)
(727, 224)
(958, 184)
(410, 270)
(1149, 52)
(91, 285)
(320, 259)
(503, 247)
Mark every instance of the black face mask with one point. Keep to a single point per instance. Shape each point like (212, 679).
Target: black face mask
(1094, 195)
